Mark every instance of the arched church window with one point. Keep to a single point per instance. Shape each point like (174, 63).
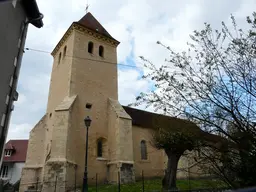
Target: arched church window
(59, 58)
(90, 47)
(65, 51)
(99, 148)
(143, 148)
(101, 51)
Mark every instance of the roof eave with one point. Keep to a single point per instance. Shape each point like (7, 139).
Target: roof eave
(33, 13)
(65, 36)
(111, 38)
(68, 32)
(15, 161)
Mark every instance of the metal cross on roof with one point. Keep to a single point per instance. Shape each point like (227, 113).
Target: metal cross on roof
(87, 7)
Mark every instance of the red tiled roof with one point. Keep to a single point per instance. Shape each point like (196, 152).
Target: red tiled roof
(9, 146)
(90, 22)
(19, 150)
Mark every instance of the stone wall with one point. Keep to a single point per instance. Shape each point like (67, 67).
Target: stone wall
(112, 173)
(35, 157)
(59, 174)
(112, 131)
(127, 173)
(156, 160)
(59, 135)
(32, 172)
(61, 75)
(71, 176)
(58, 90)
(125, 144)
(30, 176)
(190, 166)
(54, 174)
(76, 140)
(121, 144)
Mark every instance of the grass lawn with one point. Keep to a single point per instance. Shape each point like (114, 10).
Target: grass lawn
(151, 185)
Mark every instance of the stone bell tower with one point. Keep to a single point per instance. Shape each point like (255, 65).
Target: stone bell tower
(83, 82)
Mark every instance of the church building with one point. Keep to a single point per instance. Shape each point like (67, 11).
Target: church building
(84, 83)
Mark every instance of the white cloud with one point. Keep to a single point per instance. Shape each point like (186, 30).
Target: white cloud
(19, 131)
(120, 32)
(21, 100)
(130, 84)
(136, 24)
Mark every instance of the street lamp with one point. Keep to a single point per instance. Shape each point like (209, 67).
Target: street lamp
(87, 122)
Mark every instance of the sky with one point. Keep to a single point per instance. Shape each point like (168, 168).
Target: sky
(138, 25)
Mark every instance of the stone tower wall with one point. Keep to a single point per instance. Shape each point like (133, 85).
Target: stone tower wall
(93, 80)
(59, 86)
(61, 74)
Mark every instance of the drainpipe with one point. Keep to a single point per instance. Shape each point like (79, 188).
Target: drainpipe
(13, 95)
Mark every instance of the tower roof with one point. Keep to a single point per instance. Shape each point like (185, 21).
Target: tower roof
(90, 22)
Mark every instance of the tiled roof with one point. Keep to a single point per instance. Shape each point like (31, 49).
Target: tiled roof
(19, 152)
(9, 146)
(90, 22)
(153, 121)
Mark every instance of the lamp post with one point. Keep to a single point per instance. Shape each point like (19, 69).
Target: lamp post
(87, 122)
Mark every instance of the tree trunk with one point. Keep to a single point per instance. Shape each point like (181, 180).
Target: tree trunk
(169, 181)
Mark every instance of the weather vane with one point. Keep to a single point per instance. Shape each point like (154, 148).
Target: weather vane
(87, 6)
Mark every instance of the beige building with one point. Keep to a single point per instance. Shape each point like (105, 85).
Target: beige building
(84, 82)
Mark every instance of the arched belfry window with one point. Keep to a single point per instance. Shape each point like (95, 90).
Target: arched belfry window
(59, 58)
(65, 51)
(143, 150)
(90, 47)
(101, 51)
(99, 148)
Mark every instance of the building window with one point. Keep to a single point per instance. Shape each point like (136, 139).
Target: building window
(8, 153)
(143, 148)
(101, 51)
(3, 120)
(88, 106)
(64, 52)
(99, 148)
(4, 171)
(19, 42)
(15, 62)
(14, 2)
(59, 58)
(90, 47)
(11, 81)
(7, 99)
